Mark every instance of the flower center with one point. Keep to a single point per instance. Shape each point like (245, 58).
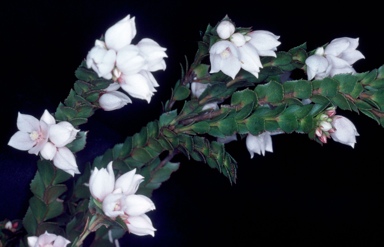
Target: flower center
(34, 135)
(225, 54)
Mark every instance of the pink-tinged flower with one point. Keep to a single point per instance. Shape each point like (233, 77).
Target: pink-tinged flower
(224, 56)
(32, 134)
(259, 144)
(102, 182)
(225, 29)
(112, 99)
(119, 199)
(153, 53)
(121, 33)
(345, 131)
(101, 60)
(265, 42)
(65, 160)
(48, 240)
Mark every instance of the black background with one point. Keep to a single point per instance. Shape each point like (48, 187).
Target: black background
(302, 194)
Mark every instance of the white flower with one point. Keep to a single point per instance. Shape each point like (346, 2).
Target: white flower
(265, 42)
(101, 60)
(129, 60)
(345, 131)
(225, 29)
(250, 60)
(121, 33)
(259, 144)
(336, 58)
(62, 133)
(113, 99)
(32, 135)
(102, 182)
(140, 85)
(153, 53)
(224, 56)
(141, 225)
(47, 240)
(119, 199)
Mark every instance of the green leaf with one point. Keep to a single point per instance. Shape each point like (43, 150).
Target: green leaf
(141, 155)
(53, 192)
(272, 92)
(127, 147)
(282, 58)
(227, 126)
(287, 122)
(29, 222)
(38, 208)
(165, 172)
(200, 127)
(347, 82)
(328, 87)
(341, 102)
(139, 139)
(243, 97)
(303, 89)
(181, 93)
(368, 78)
(37, 186)
(155, 145)
(318, 99)
(85, 74)
(255, 124)
(54, 209)
(167, 117)
(152, 129)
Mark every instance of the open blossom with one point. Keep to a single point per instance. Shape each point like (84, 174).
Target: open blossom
(47, 138)
(336, 58)
(119, 199)
(345, 131)
(224, 56)
(48, 240)
(153, 53)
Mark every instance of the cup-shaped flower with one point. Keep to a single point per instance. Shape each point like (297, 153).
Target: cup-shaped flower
(101, 60)
(113, 205)
(317, 65)
(121, 33)
(102, 182)
(259, 144)
(345, 131)
(153, 53)
(47, 240)
(32, 134)
(224, 56)
(264, 41)
(136, 205)
(345, 49)
(140, 85)
(225, 29)
(140, 225)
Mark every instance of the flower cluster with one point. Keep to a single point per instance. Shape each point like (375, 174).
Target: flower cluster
(336, 58)
(118, 199)
(337, 127)
(129, 66)
(239, 50)
(48, 138)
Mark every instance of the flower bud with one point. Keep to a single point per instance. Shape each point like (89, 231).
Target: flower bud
(225, 29)
(113, 100)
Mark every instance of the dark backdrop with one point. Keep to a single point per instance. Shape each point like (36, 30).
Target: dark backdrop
(302, 194)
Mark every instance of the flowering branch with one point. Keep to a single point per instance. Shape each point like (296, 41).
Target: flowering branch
(235, 87)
